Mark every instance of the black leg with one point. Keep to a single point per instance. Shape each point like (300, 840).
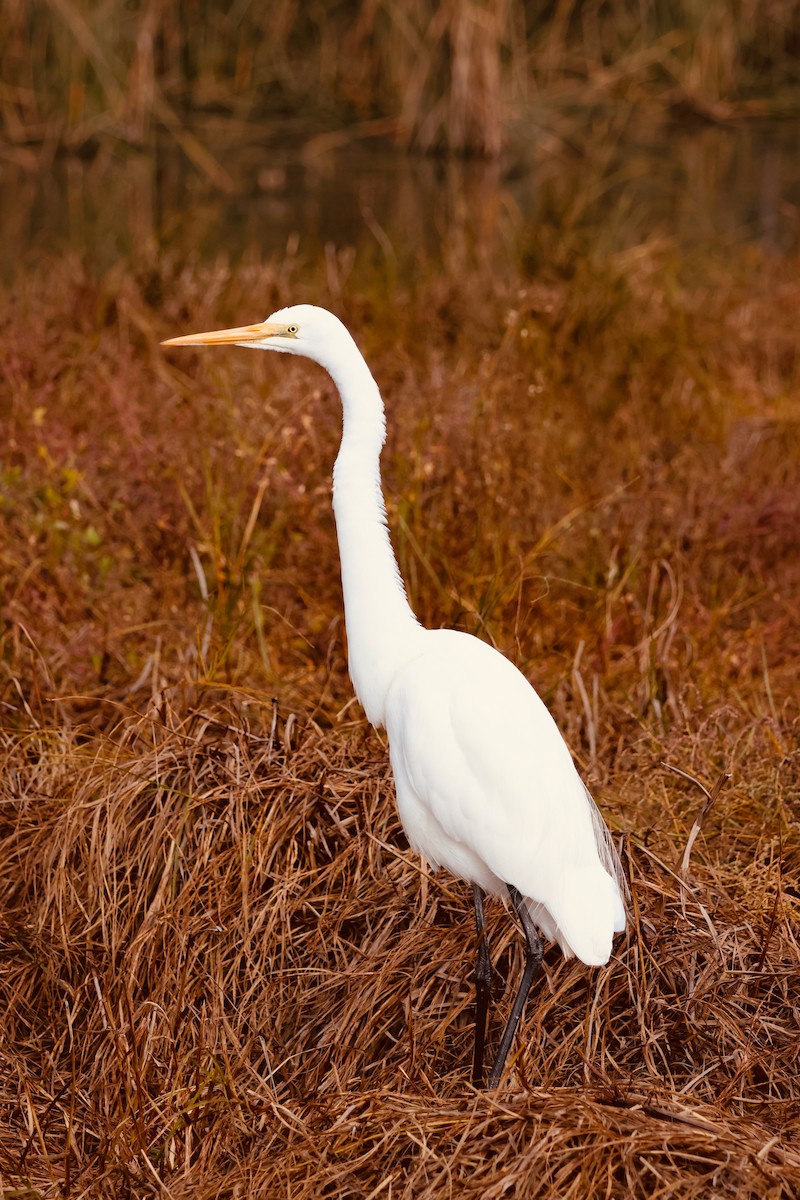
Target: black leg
(483, 987)
(533, 959)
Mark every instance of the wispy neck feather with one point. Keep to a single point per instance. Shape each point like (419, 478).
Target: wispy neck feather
(382, 631)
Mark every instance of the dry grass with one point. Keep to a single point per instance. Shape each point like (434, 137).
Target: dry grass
(223, 972)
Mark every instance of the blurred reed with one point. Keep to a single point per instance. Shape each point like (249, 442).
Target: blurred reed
(457, 76)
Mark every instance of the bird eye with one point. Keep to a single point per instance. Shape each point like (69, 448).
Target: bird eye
(292, 329)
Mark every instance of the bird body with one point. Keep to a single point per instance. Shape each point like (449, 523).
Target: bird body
(486, 786)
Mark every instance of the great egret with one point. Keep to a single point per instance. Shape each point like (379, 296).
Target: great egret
(486, 786)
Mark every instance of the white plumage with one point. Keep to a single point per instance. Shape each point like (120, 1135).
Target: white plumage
(486, 786)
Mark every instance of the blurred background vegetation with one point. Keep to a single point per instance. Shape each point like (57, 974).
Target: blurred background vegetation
(455, 76)
(255, 117)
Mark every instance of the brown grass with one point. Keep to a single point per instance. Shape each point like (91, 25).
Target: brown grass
(223, 972)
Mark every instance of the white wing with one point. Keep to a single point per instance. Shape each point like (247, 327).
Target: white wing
(487, 788)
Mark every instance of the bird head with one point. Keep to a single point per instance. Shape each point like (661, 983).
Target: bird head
(301, 329)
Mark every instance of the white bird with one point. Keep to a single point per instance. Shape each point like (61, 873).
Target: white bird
(486, 786)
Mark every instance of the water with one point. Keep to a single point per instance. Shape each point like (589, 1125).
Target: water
(626, 178)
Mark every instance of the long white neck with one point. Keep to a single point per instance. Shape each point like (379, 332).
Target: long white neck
(382, 631)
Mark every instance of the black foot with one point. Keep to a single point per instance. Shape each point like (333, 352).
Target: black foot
(533, 960)
(483, 988)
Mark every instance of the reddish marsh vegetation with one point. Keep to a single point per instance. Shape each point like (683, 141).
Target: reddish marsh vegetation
(223, 973)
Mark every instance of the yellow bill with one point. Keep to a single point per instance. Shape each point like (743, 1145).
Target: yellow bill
(227, 337)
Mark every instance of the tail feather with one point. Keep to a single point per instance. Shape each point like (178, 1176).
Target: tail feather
(607, 853)
(588, 914)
